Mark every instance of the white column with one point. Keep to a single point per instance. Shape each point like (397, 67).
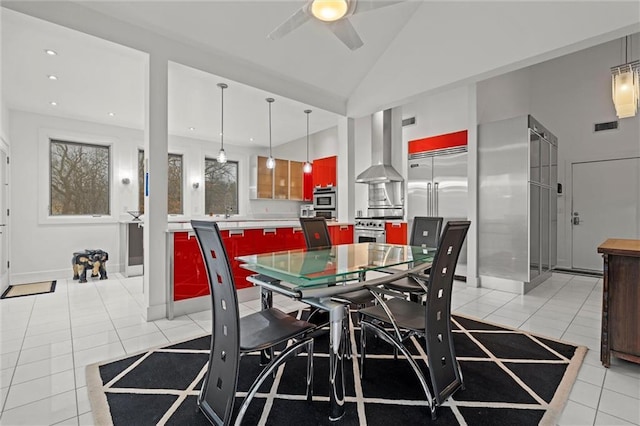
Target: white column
(346, 169)
(472, 194)
(156, 280)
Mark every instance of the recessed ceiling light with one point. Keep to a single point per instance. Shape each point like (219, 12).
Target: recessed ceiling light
(192, 128)
(50, 52)
(250, 139)
(52, 77)
(112, 114)
(53, 103)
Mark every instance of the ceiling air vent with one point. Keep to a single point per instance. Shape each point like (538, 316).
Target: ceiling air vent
(609, 125)
(408, 121)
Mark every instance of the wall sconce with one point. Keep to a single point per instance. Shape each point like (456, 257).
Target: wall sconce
(126, 181)
(195, 185)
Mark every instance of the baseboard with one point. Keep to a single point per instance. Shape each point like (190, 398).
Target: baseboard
(55, 274)
(583, 272)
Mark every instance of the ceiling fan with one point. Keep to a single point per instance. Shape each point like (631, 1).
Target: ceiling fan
(335, 15)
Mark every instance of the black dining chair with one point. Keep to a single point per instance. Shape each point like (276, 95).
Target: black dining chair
(425, 233)
(395, 319)
(233, 336)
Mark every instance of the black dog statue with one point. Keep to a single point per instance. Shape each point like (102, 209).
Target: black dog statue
(89, 259)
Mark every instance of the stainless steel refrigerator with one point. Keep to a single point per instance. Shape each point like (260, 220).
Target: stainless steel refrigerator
(437, 186)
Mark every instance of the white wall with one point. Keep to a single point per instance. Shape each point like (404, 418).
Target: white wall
(567, 95)
(33, 233)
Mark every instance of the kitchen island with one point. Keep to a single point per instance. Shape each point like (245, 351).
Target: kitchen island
(188, 287)
(620, 335)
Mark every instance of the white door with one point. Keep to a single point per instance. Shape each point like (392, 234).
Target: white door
(4, 229)
(605, 204)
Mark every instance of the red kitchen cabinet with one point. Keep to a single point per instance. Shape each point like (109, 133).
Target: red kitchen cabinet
(325, 172)
(297, 239)
(396, 232)
(245, 241)
(189, 274)
(307, 183)
(341, 234)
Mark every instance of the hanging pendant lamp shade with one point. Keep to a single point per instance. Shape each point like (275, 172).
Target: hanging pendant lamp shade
(625, 86)
(271, 162)
(222, 156)
(307, 165)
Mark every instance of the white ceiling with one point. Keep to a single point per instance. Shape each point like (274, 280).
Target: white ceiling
(410, 48)
(97, 77)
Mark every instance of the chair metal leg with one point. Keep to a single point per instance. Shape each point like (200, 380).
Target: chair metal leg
(346, 338)
(310, 370)
(416, 369)
(363, 348)
(274, 364)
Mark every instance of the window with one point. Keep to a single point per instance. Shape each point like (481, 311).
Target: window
(175, 183)
(220, 187)
(79, 179)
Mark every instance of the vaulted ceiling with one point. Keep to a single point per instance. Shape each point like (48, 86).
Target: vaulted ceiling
(410, 48)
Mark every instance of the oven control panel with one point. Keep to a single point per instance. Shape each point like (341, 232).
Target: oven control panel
(370, 223)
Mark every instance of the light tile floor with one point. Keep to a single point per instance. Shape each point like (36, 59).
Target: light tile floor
(47, 340)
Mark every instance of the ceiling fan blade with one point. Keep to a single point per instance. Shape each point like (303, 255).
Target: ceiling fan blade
(294, 21)
(367, 5)
(343, 29)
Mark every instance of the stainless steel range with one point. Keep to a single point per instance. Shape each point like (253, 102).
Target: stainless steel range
(368, 230)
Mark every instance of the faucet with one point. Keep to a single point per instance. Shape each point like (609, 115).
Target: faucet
(227, 212)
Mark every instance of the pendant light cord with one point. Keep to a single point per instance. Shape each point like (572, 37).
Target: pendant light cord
(307, 111)
(222, 117)
(270, 101)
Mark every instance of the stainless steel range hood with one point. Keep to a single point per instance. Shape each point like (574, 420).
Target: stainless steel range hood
(381, 136)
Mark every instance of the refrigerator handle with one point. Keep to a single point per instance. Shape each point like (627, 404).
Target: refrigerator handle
(429, 195)
(435, 196)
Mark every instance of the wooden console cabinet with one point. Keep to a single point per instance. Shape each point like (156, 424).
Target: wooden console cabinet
(620, 301)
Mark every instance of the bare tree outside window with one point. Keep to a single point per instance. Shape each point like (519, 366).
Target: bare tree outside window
(175, 183)
(79, 179)
(220, 187)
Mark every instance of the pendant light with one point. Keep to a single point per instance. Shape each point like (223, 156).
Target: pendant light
(271, 163)
(625, 85)
(307, 166)
(222, 156)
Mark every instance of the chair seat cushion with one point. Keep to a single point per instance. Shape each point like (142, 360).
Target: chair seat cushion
(357, 297)
(269, 327)
(408, 315)
(405, 285)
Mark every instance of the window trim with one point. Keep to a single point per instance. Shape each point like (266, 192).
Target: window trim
(175, 152)
(44, 172)
(204, 182)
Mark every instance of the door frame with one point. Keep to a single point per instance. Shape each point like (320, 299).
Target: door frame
(568, 201)
(5, 274)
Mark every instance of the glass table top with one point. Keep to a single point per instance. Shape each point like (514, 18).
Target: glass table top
(305, 268)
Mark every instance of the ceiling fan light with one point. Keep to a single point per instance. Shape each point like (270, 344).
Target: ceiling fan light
(329, 10)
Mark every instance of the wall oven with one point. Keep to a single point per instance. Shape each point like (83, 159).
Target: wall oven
(324, 199)
(369, 231)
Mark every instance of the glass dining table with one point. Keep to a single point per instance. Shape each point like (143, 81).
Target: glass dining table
(317, 276)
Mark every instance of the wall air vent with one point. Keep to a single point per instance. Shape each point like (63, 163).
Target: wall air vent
(609, 125)
(408, 121)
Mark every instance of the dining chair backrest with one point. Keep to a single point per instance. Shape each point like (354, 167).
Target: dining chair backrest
(445, 375)
(216, 399)
(425, 231)
(316, 232)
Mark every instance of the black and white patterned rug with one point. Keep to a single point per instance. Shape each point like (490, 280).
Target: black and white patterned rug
(511, 377)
